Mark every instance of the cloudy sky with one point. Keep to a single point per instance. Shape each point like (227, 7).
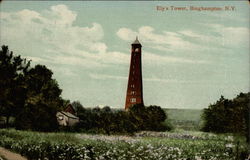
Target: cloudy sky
(190, 58)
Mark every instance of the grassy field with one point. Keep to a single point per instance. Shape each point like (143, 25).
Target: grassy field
(188, 145)
(186, 119)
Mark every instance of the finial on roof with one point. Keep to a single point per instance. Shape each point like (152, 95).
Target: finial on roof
(136, 41)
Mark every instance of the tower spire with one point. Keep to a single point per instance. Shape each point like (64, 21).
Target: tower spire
(136, 41)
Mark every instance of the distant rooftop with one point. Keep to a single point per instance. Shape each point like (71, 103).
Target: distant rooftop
(68, 114)
(136, 41)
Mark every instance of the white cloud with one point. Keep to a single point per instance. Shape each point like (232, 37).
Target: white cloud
(106, 76)
(62, 15)
(114, 58)
(64, 71)
(236, 36)
(36, 59)
(126, 34)
(150, 58)
(189, 41)
(165, 41)
(229, 37)
(148, 79)
(54, 38)
(191, 33)
(77, 61)
(163, 80)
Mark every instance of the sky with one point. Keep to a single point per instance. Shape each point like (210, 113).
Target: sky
(189, 57)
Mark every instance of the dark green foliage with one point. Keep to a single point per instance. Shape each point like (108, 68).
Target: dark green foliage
(12, 88)
(109, 121)
(148, 118)
(156, 118)
(228, 116)
(28, 94)
(42, 101)
(77, 106)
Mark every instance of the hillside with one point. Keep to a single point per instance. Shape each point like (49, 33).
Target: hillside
(187, 119)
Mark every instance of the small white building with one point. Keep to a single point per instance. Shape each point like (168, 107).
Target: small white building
(66, 118)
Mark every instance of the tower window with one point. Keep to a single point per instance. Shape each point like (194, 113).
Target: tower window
(132, 86)
(137, 50)
(132, 100)
(132, 92)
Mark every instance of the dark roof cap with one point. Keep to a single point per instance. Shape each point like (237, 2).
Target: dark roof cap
(136, 41)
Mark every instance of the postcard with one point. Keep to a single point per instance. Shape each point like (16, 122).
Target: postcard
(124, 80)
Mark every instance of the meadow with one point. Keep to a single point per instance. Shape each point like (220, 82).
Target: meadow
(176, 145)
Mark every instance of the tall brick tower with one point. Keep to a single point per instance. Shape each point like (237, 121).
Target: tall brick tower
(134, 90)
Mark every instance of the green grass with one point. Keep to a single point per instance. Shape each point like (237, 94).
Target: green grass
(144, 145)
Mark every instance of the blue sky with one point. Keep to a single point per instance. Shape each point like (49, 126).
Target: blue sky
(189, 58)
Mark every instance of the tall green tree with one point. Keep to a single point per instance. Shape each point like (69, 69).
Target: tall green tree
(12, 87)
(42, 100)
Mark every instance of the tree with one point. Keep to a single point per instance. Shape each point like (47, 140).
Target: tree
(12, 88)
(228, 115)
(148, 118)
(123, 122)
(106, 109)
(156, 113)
(42, 101)
(78, 107)
(106, 120)
(139, 116)
(156, 118)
